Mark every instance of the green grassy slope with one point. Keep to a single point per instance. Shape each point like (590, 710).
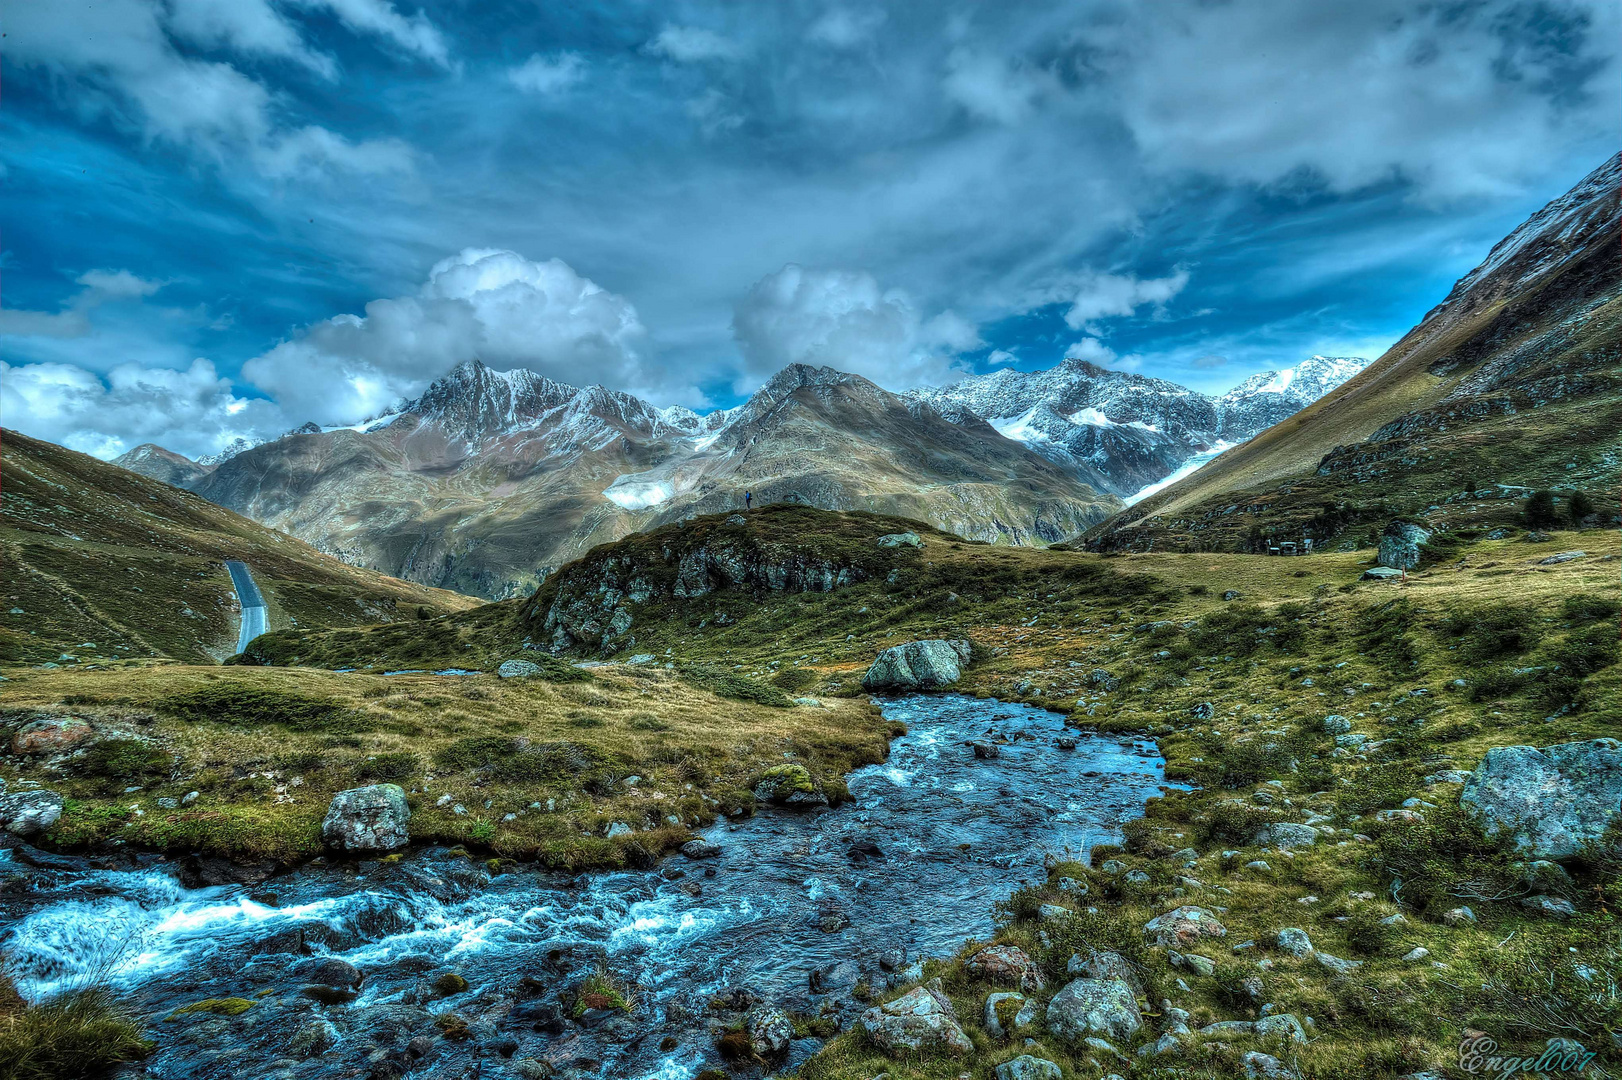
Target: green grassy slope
(101, 563)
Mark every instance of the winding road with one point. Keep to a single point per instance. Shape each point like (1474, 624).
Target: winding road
(254, 620)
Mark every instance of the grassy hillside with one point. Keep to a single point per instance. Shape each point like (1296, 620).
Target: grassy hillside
(1231, 662)
(101, 564)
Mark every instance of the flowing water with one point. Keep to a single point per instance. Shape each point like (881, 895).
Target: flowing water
(798, 908)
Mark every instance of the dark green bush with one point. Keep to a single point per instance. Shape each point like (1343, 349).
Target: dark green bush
(396, 765)
(124, 759)
(1540, 510)
(474, 752)
(730, 684)
(247, 706)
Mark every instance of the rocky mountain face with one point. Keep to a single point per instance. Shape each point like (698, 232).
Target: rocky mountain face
(152, 460)
(490, 480)
(1512, 383)
(1122, 432)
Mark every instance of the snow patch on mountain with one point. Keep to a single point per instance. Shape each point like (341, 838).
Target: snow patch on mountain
(637, 494)
(1192, 465)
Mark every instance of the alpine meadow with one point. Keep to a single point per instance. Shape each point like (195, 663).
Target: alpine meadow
(1052, 540)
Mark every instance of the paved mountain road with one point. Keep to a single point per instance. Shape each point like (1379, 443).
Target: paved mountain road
(254, 620)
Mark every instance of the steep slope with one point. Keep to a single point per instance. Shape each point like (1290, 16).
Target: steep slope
(491, 480)
(1511, 383)
(98, 562)
(1121, 432)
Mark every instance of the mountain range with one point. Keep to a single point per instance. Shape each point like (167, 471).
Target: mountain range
(1122, 432)
(490, 480)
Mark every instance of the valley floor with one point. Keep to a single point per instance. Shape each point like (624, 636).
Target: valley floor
(1284, 691)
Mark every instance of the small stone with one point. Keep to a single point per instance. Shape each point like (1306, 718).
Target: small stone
(1183, 926)
(1555, 907)
(1459, 916)
(1416, 954)
(700, 849)
(1265, 1067)
(1336, 964)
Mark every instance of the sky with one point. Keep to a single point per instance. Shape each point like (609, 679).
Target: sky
(226, 218)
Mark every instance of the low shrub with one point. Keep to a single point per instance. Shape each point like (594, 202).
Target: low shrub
(79, 1034)
(248, 706)
(390, 766)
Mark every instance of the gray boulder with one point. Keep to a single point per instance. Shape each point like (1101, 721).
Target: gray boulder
(1008, 1013)
(905, 539)
(518, 669)
(1265, 1067)
(1294, 940)
(1552, 802)
(919, 1021)
(701, 849)
(1283, 1025)
(1286, 834)
(1381, 573)
(29, 813)
(770, 1032)
(367, 819)
(918, 665)
(1400, 544)
(1094, 1007)
(1183, 926)
(1026, 1067)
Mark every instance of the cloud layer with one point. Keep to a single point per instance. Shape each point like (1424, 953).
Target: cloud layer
(904, 190)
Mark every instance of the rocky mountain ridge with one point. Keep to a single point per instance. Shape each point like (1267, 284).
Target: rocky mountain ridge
(1121, 431)
(489, 480)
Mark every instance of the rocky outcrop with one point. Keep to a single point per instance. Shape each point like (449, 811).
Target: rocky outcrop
(29, 813)
(918, 665)
(367, 819)
(1401, 544)
(1550, 803)
(593, 602)
(919, 1021)
(1105, 1007)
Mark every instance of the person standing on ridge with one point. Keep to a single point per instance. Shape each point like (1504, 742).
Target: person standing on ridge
(748, 498)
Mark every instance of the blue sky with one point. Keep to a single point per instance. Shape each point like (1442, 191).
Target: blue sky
(226, 217)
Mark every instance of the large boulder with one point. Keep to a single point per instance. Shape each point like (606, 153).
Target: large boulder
(790, 785)
(1400, 544)
(901, 539)
(918, 665)
(1552, 802)
(918, 1021)
(51, 734)
(770, 1032)
(518, 669)
(367, 819)
(1183, 926)
(1106, 965)
(1086, 1007)
(1008, 965)
(1026, 1067)
(29, 813)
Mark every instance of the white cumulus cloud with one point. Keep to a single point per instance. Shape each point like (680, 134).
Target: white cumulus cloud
(485, 303)
(1102, 296)
(192, 411)
(547, 75)
(844, 319)
(692, 44)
